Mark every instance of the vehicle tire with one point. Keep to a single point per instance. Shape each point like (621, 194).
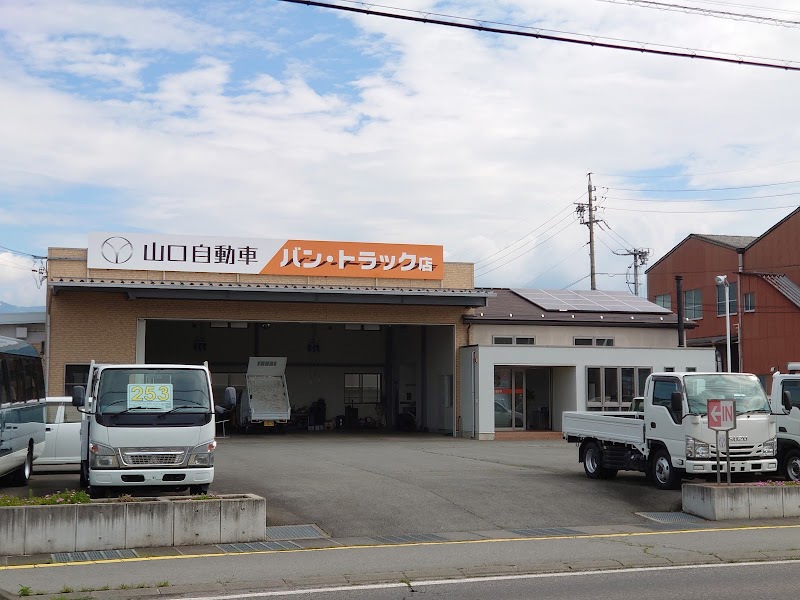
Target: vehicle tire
(665, 476)
(84, 480)
(198, 489)
(592, 457)
(606, 473)
(97, 491)
(791, 465)
(23, 473)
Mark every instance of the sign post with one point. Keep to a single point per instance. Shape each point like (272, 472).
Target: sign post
(722, 418)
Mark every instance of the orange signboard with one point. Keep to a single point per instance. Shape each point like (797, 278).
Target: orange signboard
(356, 259)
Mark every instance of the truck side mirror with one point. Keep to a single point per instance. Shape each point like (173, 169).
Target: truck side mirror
(676, 404)
(230, 397)
(787, 402)
(78, 396)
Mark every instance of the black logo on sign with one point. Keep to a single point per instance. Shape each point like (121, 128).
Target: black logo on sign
(117, 250)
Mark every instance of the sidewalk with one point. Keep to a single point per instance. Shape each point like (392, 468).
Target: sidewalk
(213, 570)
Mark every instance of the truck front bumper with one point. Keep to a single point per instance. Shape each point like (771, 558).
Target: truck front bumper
(151, 477)
(737, 466)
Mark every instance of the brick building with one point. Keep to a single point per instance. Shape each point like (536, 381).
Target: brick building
(763, 275)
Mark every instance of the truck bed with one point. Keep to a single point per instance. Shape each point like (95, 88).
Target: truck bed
(268, 399)
(621, 427)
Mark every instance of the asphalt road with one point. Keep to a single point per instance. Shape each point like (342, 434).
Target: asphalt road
(732, 582)
(354, 485)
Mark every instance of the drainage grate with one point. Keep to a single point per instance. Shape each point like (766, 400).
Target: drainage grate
(295, 532)
(92, 555)
(258, 546)
(671, 517)
(405, 539)
(547, 531)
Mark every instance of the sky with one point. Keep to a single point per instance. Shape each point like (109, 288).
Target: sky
(267, 119)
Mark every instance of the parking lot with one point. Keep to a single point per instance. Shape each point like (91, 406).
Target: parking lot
(366, 484)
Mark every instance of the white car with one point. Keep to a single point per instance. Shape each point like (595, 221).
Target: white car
(62, 434)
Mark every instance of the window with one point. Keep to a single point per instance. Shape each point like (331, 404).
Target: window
(593, 341)
(664, 300)
(72, 414)
(75, 375)
(52, 412)
(362, 388)
(502, 339)
(691, 369)
(693, 304)
(525, 341)
(793, 389)
(662, 393)
(669, 369)
(750, 302)
(731, 299)
(614, 388)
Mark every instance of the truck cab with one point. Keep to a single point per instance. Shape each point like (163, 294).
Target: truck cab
(785, 402)
(147, 425)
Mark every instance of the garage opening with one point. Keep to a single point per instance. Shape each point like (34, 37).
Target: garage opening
(357, 376)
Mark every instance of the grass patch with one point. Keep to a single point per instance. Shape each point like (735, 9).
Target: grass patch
(65, 497)
(24, 590)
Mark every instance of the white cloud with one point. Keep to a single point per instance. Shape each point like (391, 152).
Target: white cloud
(18, 280)
(462, 138)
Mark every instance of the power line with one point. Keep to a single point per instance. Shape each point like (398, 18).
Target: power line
(764, 8)
(565, 259)
(587, 277)
(557, 223)
(707, 12)
(589, 40)
(526, 252)
(699, 212)
(13, 266)
(702, 190)
(688, 175)
(22, 253)
(523, 237)
(704, 199)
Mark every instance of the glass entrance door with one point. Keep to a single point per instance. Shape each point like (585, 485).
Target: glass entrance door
(522, 398)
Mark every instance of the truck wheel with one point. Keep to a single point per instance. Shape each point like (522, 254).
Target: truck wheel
(97, 491)
(23, 474)
(791, 465)
(84, 479)
(665, 476)
(591, 460)
(198, 489)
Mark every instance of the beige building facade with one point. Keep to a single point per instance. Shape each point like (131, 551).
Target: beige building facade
(386, 346)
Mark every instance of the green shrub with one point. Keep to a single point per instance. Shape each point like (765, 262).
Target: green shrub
(65, 497)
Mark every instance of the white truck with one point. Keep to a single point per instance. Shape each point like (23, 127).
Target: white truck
(265, 400)
(785, 400)
(147, 425)
(667, 436)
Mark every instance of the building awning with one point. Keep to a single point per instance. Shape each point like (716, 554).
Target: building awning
(263, 292)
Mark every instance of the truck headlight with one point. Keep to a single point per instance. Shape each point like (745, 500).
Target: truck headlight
(102, 457)
(203, 455)
(770, 447)
(697, 449)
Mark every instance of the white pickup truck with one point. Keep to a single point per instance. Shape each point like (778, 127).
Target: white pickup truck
(785, 400)
(667, 436)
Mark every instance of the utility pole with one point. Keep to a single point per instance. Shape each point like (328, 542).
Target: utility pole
(581, 209)
(640, 256)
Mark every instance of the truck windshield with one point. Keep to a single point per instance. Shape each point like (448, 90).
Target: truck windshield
(152, 391)
(745, 389)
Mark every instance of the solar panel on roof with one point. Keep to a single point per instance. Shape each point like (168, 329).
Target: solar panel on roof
(590, 301)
